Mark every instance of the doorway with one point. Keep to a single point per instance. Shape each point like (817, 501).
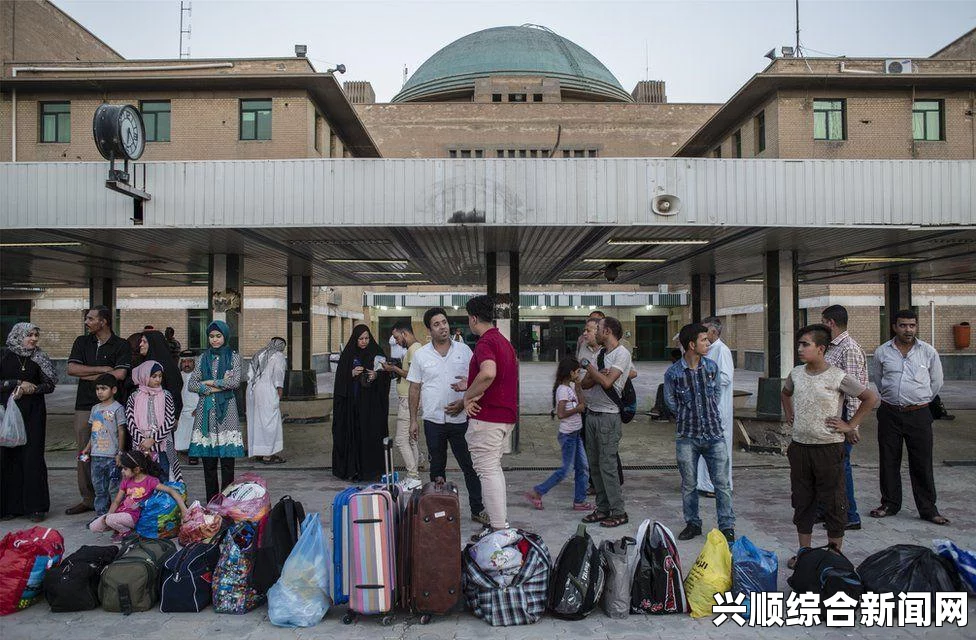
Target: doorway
(652, 338)
(384, 330)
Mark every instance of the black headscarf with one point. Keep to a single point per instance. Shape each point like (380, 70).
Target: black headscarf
(172, 380)
(343, 377)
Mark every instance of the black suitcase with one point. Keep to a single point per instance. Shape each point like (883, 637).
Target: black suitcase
(73, 584)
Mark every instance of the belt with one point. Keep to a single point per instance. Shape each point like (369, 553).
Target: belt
(904, 408)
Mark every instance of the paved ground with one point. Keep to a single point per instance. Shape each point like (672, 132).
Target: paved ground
(652, 491)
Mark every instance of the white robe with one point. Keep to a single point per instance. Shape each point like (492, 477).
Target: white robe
(722, 356)
(264, 432)
(184, 428)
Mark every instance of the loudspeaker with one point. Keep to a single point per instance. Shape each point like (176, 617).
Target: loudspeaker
(666, 205)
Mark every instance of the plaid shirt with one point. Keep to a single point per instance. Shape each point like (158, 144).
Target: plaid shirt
(522, 602)
(692, 396)
(845, 354)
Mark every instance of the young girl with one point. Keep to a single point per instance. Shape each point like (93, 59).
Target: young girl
(570, 411)
(139, 480)
(151, 416)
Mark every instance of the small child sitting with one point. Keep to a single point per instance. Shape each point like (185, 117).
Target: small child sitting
(139, 480)
(107, 422)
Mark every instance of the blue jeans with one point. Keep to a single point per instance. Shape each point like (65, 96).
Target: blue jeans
(852, 515)
(101, 475)
(716, 455)
(574, 456)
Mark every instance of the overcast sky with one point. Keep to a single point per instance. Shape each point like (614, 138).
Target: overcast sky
(703, 50)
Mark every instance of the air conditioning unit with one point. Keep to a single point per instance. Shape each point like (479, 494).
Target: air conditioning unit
(898, 66)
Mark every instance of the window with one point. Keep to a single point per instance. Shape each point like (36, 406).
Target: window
(928, 118)
(760, 126)
(496, 97)
(55, 122)
(536, 97)
(516, 97)
(500, 153)
(256, 119)
(829, 121)
(737, 143)
(196, 328)
(156, 116)
(479, 153)
(717, 152)
(452, 153)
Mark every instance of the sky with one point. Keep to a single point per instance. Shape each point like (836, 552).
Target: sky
(704, 51)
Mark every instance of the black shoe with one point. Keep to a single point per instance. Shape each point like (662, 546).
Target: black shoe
(689, 532)
(729, 534)
(481, 534)
(850, 526)
(706, 494)
(78, 508)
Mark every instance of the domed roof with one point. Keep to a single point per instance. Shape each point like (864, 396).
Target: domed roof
(528, 50)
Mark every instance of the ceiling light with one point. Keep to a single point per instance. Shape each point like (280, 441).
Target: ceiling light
(589, 280)
(399, 308)
(592, 307)
(876, 259)
(178, 273)
(755, 280)
(388, 273)
(40, 244)
(38, 284)
(455, 307)
(624, 241)
(364, 261)
(199, 282)
(624, 260)
(400, 282)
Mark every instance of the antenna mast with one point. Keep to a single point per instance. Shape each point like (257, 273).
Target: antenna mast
(404, 76)
(798, 54)
(186, 9)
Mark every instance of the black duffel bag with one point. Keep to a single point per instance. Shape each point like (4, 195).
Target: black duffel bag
(73, 584)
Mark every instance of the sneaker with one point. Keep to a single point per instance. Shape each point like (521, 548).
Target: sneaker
(583, 506)
(481, 518)
(481, 534)
(411, 484)
(689, 532)
(729, 534)
(81, 507)
(534, 499)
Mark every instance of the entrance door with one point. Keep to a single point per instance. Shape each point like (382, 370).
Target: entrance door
(652, 339)
(572, 330)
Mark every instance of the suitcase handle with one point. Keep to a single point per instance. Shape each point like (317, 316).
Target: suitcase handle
(388, 462)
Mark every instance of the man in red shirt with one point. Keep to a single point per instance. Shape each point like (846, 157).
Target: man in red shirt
(491, 402)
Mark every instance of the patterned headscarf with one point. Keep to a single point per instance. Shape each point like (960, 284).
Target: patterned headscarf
(141, 375)
(15, 342)
(259, 362)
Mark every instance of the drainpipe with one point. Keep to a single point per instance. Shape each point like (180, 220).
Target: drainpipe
(932, 321)
(13, 125)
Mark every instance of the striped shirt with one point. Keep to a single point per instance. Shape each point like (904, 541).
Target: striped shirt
(692, 396)
(845, 354)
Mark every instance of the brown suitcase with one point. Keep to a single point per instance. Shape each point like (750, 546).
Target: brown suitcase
(430, 551)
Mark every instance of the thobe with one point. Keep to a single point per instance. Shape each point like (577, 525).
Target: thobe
(264, 432)
(722, 356)
(184, 428)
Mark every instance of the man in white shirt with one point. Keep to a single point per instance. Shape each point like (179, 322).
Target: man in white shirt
(719, 353)
(434, 374)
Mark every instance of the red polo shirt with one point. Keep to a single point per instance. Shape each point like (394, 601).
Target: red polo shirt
(500, 401)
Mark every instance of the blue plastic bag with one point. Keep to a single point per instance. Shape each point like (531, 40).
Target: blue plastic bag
(300, 598)
(160, 516)
(753, 569)
(964, 560)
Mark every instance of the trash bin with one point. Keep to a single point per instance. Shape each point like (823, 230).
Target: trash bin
(961, 334)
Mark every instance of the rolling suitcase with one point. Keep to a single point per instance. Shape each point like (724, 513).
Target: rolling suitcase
(431, 529)
(371, 559)
(340, 544)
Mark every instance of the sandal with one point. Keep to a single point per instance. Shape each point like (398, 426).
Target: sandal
(595, 516)
(615, 521)
(882, 512)
(275, 459)
(534, 499)
(938, 519)
(583, 506)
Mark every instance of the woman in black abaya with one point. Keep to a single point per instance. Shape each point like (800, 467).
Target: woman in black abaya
(361, 404)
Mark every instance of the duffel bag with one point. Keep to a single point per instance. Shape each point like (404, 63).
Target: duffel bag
(73, 584)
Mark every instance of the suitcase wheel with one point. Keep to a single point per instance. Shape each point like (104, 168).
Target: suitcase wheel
(388, 620)
(425, 618)
(348, 618)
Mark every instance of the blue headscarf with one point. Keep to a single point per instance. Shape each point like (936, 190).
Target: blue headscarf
(225, 362)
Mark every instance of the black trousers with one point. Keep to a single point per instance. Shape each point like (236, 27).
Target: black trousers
(438, 437)
(620, 467)
(210, 475)
(914, 429)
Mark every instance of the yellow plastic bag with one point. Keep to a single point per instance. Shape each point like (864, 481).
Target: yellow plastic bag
(711, 574)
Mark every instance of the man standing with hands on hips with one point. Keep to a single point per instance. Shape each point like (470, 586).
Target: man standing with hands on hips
(908, 374)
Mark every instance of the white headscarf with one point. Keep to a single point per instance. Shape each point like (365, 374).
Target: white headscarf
(259, 362)
(15, 342)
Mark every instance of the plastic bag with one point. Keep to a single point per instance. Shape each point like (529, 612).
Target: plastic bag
(964, 560)
(753, 569)
(246, 500)
(908, 567)
(199, 525)
(12, 430)
(300, 598)
(160, 515)
(616, 592)
(711, 574)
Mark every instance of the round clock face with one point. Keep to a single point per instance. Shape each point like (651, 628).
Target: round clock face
(132, 134)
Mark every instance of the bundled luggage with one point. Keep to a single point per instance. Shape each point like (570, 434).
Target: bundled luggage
(233, 587)
(25, 557)
(300, 597)
(73, 584)
(160, 515)
(908, 568)
(616, 562)
(577, 578)
(278, 536)
(754, 570)
(507, 584)
(131, 582)
(188, 578)
(711, 574)
(247, 499)
(657, 586)
(825, 570)
(429, 550)
(199, 525)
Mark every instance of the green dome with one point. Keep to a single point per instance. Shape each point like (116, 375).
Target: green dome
(513, 51)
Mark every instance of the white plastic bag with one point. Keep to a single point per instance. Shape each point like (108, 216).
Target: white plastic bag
(12, 430)
(301, 598)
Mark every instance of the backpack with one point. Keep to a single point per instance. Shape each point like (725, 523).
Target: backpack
(657, 586)
(188, 578)
(131, 583)
(577, 578)
(825, 570)
(233, 588)
(25, 556)
(627, 402)
(73, 584)
(278, 536)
